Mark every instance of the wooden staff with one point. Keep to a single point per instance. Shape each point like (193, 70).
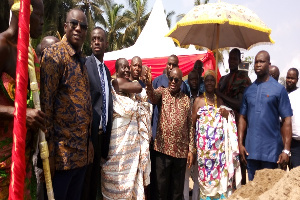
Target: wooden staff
(44, 151)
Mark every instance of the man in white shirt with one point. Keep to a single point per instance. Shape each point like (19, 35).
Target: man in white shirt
(294, 93)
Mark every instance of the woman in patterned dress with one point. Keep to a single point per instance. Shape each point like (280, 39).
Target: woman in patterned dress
(216, 142)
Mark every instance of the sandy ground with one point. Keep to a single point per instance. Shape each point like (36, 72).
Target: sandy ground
(271, 184)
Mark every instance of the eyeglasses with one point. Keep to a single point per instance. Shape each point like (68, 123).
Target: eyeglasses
(176, 80)
(173, 64)
(74, 23)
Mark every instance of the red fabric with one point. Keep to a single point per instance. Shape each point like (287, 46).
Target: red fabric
(16, 187)
(186, 63)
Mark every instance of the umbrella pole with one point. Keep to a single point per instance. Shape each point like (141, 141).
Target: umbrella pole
(217, 48)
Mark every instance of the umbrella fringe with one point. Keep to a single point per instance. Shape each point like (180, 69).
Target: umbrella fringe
(262, 43)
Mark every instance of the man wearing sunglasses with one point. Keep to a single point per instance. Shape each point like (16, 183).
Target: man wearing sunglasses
(66, 101)
(162, 81)
(174, 142)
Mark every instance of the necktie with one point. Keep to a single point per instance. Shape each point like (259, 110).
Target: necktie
(103, 97)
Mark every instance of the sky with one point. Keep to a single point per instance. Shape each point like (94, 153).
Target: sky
(282, 16)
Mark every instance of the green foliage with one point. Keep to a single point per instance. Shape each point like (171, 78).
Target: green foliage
(113, 23)
(136, 18)
(169, 16)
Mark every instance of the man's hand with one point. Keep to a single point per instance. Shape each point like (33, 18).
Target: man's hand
(190, 159)
(224, 112)
(243, 153)
(283, 160)
(149, 77)
(35, 119)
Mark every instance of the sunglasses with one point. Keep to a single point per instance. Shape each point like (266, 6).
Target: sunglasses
(171, 79)
(74, 23)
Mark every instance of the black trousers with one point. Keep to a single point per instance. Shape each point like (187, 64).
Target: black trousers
(67, 184)
(92, 182)
(295, 151)
(170, 173)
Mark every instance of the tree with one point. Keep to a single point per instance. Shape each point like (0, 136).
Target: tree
(113, 23)
(55, 12)
(136, 18)
(169, 16)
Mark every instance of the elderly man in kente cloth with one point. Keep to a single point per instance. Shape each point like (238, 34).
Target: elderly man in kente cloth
(34, 118)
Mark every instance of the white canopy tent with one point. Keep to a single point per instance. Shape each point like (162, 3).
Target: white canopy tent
(152, 41)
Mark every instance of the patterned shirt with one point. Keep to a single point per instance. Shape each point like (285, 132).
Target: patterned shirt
(66, 101)
(174, 132)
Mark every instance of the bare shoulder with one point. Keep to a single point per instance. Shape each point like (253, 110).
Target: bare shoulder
(199, 101)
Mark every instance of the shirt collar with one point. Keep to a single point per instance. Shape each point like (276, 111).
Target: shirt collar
(98, 62)
(69, 47)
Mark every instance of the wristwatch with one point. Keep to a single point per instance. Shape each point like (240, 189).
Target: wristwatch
(286, 151)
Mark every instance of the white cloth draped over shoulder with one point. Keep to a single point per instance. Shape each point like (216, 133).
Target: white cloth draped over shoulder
(128, 167)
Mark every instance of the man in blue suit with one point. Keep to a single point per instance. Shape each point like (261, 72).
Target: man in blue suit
(100, 78)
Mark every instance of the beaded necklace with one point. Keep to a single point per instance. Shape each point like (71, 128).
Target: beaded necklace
(215, 104)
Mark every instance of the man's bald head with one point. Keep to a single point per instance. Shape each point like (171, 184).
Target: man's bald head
(265, 53)
(274, 72)
(177, 71)
(175, 80)
(48, 41)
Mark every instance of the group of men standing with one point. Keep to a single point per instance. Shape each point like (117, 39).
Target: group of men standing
(76, 99)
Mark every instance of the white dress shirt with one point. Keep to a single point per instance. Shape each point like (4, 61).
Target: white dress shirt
(294, 98)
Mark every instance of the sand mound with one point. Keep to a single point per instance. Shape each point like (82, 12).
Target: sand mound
(271, 184)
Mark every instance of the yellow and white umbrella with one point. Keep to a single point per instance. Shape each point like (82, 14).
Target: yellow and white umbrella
(221, 25)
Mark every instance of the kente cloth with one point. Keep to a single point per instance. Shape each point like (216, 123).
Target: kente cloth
(217, 153)
(127, 169)
(237, 83)
(7, 97)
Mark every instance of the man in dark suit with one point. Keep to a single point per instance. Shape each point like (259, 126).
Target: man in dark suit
(100, 86)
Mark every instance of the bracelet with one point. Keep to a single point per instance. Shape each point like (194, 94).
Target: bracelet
(286, 152)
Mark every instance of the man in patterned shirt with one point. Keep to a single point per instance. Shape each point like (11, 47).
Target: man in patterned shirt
(174, 142)
(66, 101)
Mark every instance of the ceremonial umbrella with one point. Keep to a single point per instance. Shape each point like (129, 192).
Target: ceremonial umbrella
(221, 25)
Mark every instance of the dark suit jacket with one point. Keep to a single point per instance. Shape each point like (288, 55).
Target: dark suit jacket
(96, 93)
